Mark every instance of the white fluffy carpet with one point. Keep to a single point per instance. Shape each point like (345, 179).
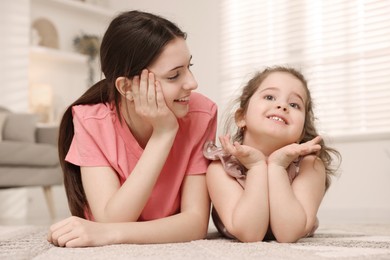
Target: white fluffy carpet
(352, 241)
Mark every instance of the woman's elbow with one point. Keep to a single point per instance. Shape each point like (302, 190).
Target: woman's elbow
(199, 228)
(200, 234)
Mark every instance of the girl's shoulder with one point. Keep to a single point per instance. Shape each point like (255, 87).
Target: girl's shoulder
(231, 165)
(312, 161)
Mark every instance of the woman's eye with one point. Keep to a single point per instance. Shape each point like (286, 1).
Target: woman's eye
(190, 65)
(174, 77)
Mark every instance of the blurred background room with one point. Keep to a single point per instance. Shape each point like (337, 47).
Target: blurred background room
(49, 57)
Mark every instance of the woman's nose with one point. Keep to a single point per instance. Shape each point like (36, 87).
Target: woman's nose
(190, 82)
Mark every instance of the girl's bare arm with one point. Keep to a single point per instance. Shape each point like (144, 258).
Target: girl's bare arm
(244, 212)
(293, 208)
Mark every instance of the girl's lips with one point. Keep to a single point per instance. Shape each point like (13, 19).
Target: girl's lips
(277, 118)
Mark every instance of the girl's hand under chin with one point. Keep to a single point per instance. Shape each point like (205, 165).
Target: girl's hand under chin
(287, 154)
(247, 155)
(150, 103)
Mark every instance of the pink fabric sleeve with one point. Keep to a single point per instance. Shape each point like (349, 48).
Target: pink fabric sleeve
(198, 163)
(84, 150)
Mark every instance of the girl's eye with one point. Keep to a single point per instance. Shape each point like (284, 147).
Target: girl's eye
(174, 77)
(295, 105)
(190, 65)
(269, 97)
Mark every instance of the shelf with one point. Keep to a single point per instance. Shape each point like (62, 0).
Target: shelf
(38, 52)
(75, 5)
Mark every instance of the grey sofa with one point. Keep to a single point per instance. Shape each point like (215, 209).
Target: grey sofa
(28, 154)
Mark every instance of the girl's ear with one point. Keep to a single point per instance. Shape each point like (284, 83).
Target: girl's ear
(123, 85)
(239, 117)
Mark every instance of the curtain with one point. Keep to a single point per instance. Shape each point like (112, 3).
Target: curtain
(14, 51)
(342, 47)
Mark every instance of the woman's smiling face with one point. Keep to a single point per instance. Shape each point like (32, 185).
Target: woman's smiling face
(172, 70)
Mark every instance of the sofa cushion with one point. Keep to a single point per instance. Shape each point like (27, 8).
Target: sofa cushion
(24, 154)
(47, 134)
(20, 127)
(11, 176)
(3, 117)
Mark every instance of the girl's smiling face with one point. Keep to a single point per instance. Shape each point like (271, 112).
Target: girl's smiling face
(276, 110)
(172, 70)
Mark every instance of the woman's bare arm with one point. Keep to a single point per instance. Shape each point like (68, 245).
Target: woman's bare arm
(107, 198)
(190, 224)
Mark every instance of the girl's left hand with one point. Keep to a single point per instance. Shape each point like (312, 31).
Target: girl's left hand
(287, 154)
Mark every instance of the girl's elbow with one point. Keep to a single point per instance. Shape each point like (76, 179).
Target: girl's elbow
(288, 236)
(251, 238)
(287, 239)
(250, 235)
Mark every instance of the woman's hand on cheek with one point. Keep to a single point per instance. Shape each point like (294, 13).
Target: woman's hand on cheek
(287, 154)
(150, 103)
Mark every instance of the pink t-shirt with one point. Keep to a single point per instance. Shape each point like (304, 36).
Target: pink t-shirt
(100, 139)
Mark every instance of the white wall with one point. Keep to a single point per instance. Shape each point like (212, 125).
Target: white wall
(14, 28)
(68, 78)
(361, 193)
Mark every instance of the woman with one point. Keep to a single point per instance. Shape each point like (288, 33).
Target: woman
(131, 146)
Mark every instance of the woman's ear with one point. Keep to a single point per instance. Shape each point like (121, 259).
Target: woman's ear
(239, 117)
(123, 85)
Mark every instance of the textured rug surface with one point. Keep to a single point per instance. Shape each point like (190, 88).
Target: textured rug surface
(351, 241)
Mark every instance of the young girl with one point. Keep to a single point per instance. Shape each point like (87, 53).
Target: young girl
(131, 146)
(278, 167)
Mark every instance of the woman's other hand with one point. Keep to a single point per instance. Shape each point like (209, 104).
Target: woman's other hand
(78, 232)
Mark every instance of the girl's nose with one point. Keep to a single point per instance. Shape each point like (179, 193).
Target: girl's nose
(284, 108)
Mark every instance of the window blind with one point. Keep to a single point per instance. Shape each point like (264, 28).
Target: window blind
(343, 49)
(14, 30)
